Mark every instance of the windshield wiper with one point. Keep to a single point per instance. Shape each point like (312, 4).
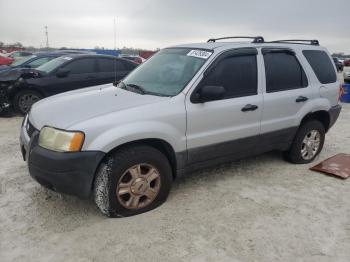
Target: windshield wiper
(139, 89)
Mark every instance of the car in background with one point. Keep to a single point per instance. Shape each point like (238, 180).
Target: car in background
(339, 65)
(16, 55)
(32, 61)
(346, 75)
(136, 59)
(23, 87)
(4, 60)
(347, 62)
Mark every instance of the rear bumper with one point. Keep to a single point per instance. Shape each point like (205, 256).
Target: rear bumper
(70, 173)
(334, 114)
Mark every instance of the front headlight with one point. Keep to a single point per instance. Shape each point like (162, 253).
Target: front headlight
(60, 140)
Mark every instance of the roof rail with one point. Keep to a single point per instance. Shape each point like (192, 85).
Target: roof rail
(256, 39)
(297, 41)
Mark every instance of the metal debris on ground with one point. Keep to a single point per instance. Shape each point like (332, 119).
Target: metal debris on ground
(338, 165)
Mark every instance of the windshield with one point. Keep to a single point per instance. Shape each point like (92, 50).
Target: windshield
(53, 64)
(22, 61)
(168, 71)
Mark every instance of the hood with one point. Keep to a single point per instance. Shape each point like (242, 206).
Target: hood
(15, 74)
(67, 109)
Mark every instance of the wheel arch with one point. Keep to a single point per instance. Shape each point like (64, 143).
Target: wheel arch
(159, 144)
(13, 93)
(321, 115)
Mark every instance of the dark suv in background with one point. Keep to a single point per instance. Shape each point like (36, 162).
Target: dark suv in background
(338, 64)
(23, 88)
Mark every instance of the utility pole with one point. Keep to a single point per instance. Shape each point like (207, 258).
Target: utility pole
(47, 37)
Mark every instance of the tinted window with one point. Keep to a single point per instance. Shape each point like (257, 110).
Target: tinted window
(283, 72)
(129, 65)
(237, 74)
(40, 61)
(81, 66)
(322, 65)
(106, 65)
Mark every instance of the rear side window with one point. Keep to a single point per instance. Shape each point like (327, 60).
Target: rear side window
(129, 65)
(322, 65)
(283, 71)
(81, 66)
(237, 74)
(106, 65)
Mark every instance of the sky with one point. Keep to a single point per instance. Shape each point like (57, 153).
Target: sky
(152, 24)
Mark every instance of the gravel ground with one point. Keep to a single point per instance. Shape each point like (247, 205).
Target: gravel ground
(258, 209)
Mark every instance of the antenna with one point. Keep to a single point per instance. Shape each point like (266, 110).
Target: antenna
(47, 37)
(115, 49)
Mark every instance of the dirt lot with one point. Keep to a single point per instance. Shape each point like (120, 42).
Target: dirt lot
(258, 209)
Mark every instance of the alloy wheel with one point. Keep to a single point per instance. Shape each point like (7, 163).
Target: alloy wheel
(26, 101)
(138, 186)
(311, 144)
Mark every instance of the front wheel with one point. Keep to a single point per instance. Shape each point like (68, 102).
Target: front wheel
(24, 100)
(132, 181)
(307, 143)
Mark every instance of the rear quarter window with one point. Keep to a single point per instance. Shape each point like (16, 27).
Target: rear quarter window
(322, 65)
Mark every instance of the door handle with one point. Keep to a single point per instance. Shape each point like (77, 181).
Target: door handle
(301, 99)
(249, 107)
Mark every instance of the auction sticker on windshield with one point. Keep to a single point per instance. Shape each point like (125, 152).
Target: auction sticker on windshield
(199, 53)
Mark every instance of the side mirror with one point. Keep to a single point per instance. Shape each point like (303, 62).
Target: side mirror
(62, 72)
(208, 93)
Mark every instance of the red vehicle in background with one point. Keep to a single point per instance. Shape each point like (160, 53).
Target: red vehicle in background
(4, 60)
(347, 62)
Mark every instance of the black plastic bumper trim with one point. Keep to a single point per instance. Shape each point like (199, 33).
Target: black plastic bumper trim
(69, 173)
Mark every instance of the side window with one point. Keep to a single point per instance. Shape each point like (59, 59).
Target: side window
(237, 74)
(283, 71)
(40, 61)
(120, 65)
(106, 65)
(322, 65)
(81, 66)
(129, 66)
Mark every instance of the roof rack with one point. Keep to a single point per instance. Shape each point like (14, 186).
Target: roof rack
(297, 41)
(256, 39)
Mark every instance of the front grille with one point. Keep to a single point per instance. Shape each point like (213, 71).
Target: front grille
(30, 129)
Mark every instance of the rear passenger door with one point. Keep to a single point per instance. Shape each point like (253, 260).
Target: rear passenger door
(224, 128)
(287, 91)
(110, 70)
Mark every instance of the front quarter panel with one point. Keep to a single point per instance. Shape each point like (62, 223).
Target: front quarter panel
(165, 120)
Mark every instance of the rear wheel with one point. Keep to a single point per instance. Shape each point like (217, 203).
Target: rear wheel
(132, 181)
(307, 143)
(24, 100)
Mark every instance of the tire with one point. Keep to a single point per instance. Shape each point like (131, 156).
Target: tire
(23, 100)
(294, 154)
(114, 172)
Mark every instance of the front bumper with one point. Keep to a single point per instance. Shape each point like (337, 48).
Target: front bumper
(70, 173)
(334, 114)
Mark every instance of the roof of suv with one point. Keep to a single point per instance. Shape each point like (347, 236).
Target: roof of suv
(228, 45)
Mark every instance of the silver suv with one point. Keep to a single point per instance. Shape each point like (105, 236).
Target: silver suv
(188, 107)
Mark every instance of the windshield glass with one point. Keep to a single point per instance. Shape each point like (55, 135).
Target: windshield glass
(22, 61)
(168, 71)
(53, 64)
